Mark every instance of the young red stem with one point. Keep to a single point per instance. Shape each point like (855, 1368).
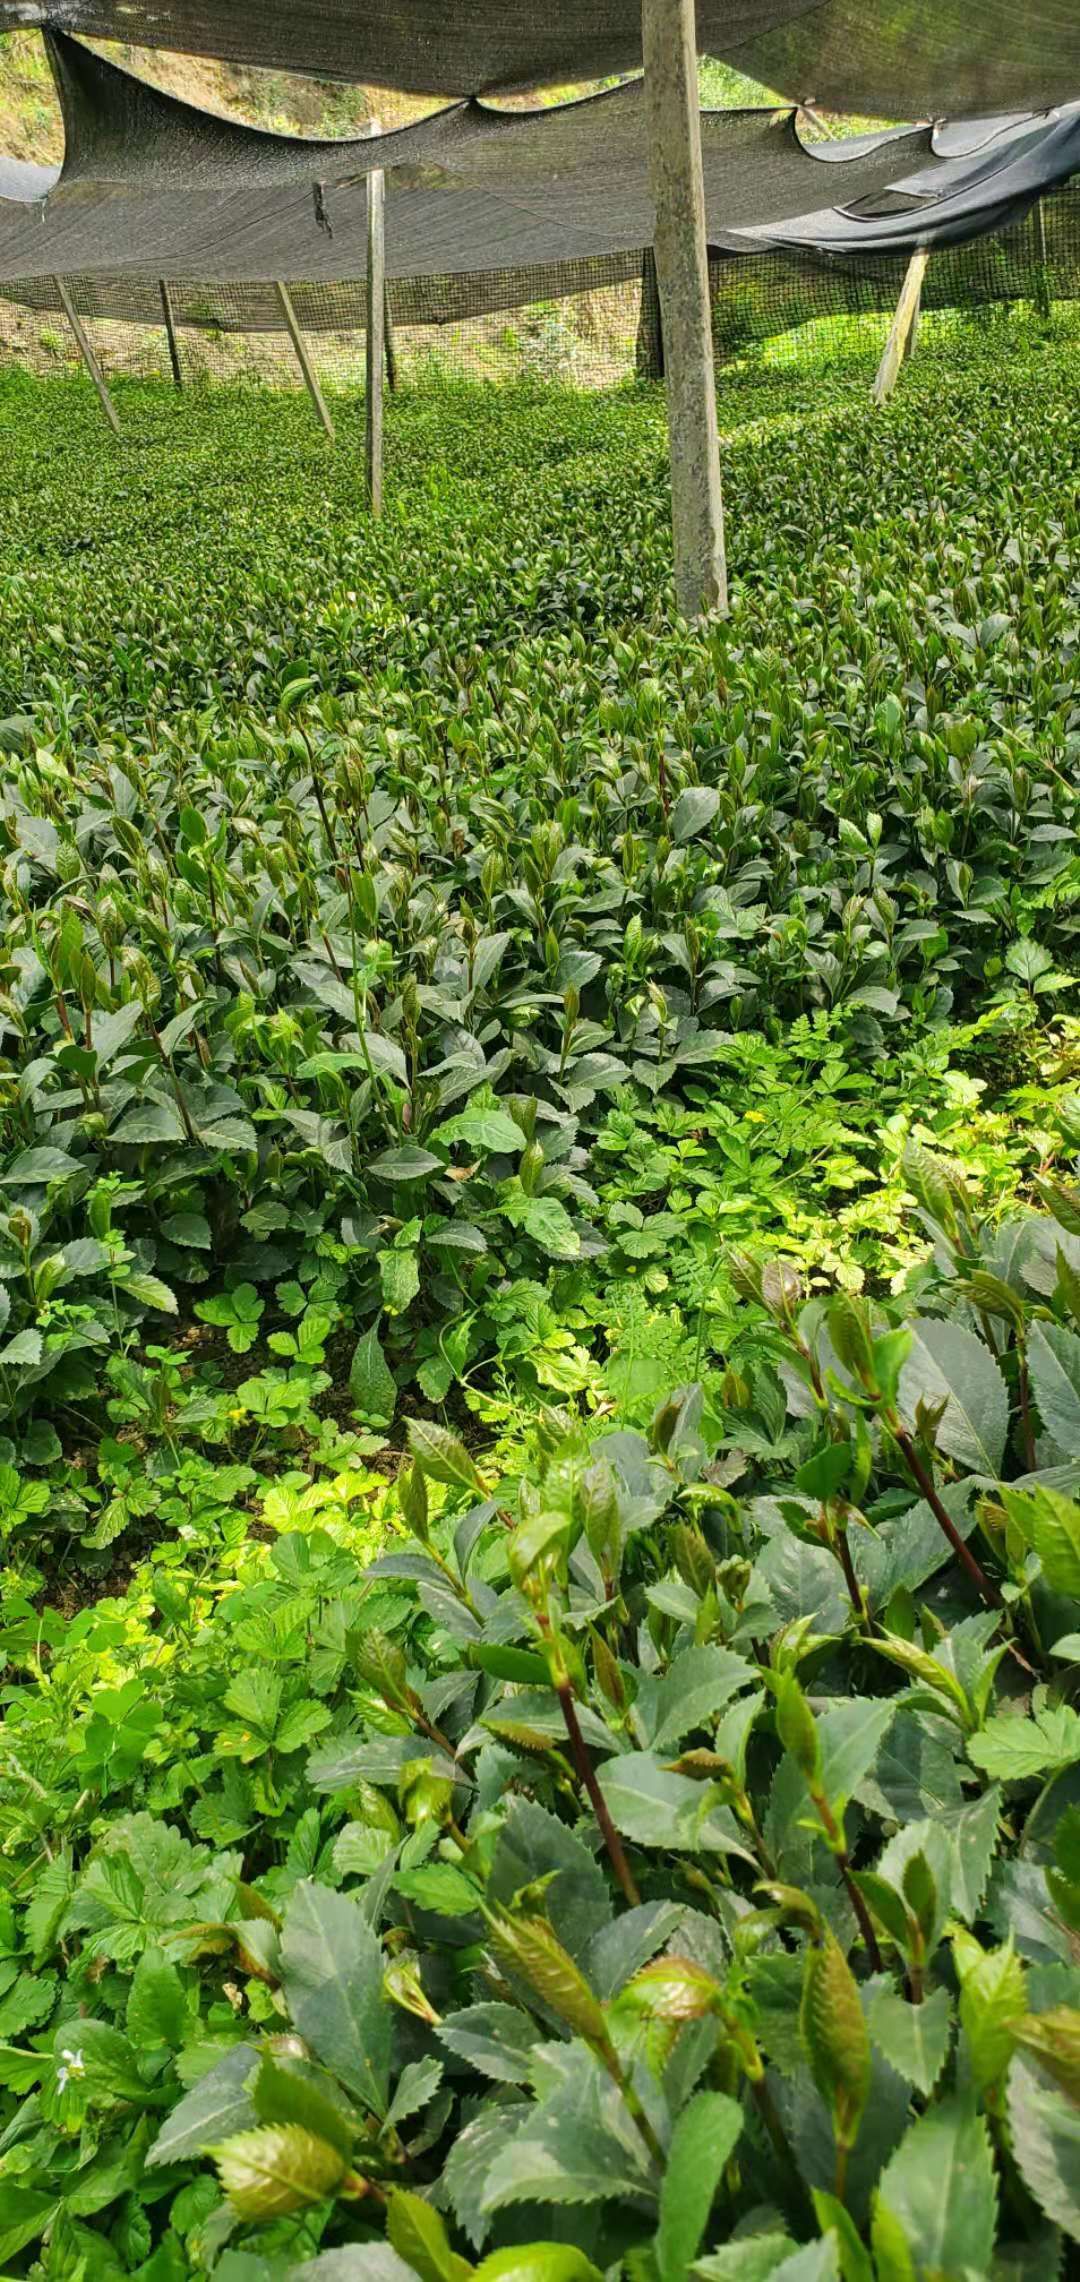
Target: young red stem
(586, 1771)
(1027, 1427)
(855, 1591)
(834, 1834)
(984, 1585)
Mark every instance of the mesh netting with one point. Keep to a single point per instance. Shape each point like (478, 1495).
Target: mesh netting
(889, 58)
(592, 323)
(1036, 259)
(478, 197)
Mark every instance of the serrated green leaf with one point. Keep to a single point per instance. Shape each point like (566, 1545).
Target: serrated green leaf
(255, 1698)
(331, 1972)
(25, 2212)
(561, 2158)
(850, 1735)
(299, 1724)
(693, 812)
(416, 2086)
(441, 1456)
(1053, 1355)
(293, 2092)
(371, 1382)
(419, 2236)
(34, 1167)
(27, 2003)
(655, 1807)
(973, 1832)
(701, 2143)
(354, 2262)
(817, 2262)
(695, 1688)
(538, 2262)
(156, 2008)
(496, 2039)
(219, 2105)
(438, 1886)
(549, 1225)
(277, 2169)
(409, 1163)
(992, 1998)
(755, 2259)
(947, 1363)
(532, 1844)
(1016, 1750)
(492, 1129)
(939, 2189)
(359, 1848)
(399, 1276)
(915, 2039)
(188, 1228)
(1050, 1523)
(149, 1291)
(1044, 2128)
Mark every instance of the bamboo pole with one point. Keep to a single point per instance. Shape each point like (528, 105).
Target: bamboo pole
(669, 43)
(376, 332)
(905, 318)
(311, 382)
(82, 340)
(170, 332)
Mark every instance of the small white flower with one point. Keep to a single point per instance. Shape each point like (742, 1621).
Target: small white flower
(73, 2065)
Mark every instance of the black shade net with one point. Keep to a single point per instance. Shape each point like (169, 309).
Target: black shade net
(887, 58)
(984, 177)
(591, 323)
(152, 185)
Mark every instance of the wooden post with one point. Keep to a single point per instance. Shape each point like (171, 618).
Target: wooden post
(170, 332)
(649, 353)
(1042, 267)
(303, 359)
(391, 344)
(907, 310)
(86, 352)
(669, 43)
(912, 341)
(376, 330)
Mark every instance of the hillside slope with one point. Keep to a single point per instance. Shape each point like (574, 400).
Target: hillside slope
(30, 125)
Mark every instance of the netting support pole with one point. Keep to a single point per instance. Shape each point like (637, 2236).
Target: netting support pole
(669, 44)
(1042, 268)
(900, 331)
(82, 342)
(170, 332)
(303, 359)
(391, 344)
(649, 354)
(376, 334)
(912, 341)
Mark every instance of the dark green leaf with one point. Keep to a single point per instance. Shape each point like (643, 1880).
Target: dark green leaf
(701, 2143)
(331, 1968)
